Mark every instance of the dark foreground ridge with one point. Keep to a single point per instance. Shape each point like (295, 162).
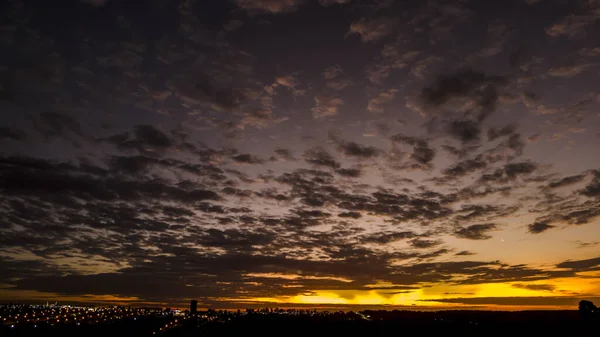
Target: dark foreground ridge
(22, 320)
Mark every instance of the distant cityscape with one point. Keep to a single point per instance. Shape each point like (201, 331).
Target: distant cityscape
(77, 320)
(16, 316)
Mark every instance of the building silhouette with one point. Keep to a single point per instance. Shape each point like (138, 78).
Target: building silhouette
(194, 307)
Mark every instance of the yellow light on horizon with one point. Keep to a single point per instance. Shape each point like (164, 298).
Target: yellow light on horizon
(426, 296)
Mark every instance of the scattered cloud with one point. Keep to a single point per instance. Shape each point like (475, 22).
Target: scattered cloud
(581, 265)
(269, 6)
(538, 227)
(476, 232)
(566, 181)
(467, 92)
(320, 157)
(537, 287)
(422, 152)
(12, 134)
(353, 149)
(572, 25)
(568, 71)
(421, 243)
(380, 161)
(327, 3)
(583, 244)
(326, 106)
(377, 103)
(247, 159)
(371, 30)
(514, 301)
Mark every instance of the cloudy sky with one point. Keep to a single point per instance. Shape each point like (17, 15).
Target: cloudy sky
(421, 154)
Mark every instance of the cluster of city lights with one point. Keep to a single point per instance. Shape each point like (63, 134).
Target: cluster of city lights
(16, 316)
(45, 316)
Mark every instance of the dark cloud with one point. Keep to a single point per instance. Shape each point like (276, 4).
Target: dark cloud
(569, 211)
(514, 301)
(207, 208)
(566, 181)
(132, 165)
(401, 292)
(464, 83)
(269, 6)
(333, 2)
(145, 138)
(353, 149)
(57, 124)
(311, 213)
(320, 157)
(399, 206)
(214, 88)
(461, 152)
(582, 244)
(464, 130)
(467, 87)
(27, 177)
(422, 153)
(151, 136)
(538, 227)
(593, 189)
(285, 154)
(385, 238)
(581, 265)
(247, 159)
(185, 266)
(494, 133)
(230, 268)
(272, 194)
(236, 239)
(422, 243)
(509, 172)
(542, 287)
(353, 215)
(349, 172)
(12, 134)
(464, 253)
(465, 167)
(515, 143)
(13, 268)
(476, 232)
(373, 29)
(470, 212)
(475, 272)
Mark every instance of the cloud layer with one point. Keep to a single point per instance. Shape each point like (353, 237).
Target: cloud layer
(242, 156)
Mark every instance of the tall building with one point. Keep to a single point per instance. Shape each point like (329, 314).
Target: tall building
(194, 307)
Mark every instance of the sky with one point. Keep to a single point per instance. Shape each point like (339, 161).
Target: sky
(299, 153)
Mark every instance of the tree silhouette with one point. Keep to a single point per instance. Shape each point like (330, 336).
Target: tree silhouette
(587, 310)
